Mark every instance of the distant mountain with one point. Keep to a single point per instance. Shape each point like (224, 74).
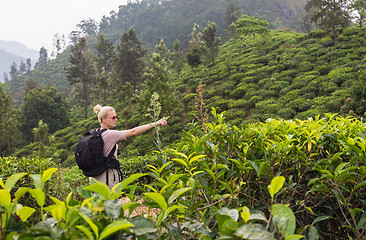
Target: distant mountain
(19, 49)
(12, 51)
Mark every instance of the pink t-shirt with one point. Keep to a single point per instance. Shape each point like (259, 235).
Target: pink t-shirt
(110, 138)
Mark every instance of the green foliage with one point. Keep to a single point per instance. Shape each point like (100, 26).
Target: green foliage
(81, 71)
(43, 104)
(248, 25)
(129, 64)
(9, 135)
(278, 179)
(283, 63)
(194, 57)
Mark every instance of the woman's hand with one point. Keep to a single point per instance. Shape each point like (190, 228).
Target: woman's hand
(162, 122)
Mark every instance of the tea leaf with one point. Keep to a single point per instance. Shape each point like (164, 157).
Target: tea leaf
(25, 212)
(159, 199)
(276, 185)
(362, 184)
(86, 231)
(245, 214)
(294, 237)
(12, 180)
(100, 188)
(177, 193)
(122, 185)
(115, 227)
(181, 161)
(5, 198)
(284, 219)
(20, 192)
(47, 175)
(91, 224)
(39, 195)
(253, 231)
(340, 168)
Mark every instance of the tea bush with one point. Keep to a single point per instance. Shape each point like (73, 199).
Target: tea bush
(275, 179)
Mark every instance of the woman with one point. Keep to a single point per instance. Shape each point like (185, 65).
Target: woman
(108, 118)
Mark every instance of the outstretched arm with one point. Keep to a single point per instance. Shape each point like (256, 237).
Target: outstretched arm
(143, 128)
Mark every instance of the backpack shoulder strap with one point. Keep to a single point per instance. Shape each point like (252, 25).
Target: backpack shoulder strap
(111, 153)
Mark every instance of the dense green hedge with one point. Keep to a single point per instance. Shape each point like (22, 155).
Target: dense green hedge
(214, 183)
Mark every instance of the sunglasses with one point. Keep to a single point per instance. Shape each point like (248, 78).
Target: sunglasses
(114, 117)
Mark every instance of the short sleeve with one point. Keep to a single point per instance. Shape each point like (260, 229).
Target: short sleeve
(110, 138)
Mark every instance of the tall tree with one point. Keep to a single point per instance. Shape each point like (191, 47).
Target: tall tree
(103, 86)
(211, 41)
(9, 135)
(82, 70)
(129, 63)
(194, 57)
(59, 44)
(88, 27)
(329, 14)
(177, 56)
(359, 9)
(105, 57)
(29, 64)
(22, 67)
(5, 77)
(30, 84)
(43, 57)
(232, 14)
(74, 37)
(248, 25)
(105, 54)
(194, 54)
(14, 73)
(162, 49)
(43, 104)
(196, 36)
(157, 78)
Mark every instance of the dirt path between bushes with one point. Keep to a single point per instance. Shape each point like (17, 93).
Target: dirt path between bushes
(141, 210)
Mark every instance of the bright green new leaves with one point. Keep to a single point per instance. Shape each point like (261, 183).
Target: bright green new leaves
(91, 224)
(276, 185)
(40, 180)
(177, 193)
(245, 214)
(25, 212)
(103, 190)
(100, 188)
(126, 182)
(5, 199)
(8, 207)
(159, 199)
(39, 195)
(58, 210)
(114, 227)
(12, 180)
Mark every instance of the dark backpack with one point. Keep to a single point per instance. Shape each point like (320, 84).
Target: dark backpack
(89, 155)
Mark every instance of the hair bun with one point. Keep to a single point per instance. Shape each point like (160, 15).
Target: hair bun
(97, 108)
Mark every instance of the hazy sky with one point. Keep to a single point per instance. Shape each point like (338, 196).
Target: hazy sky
(35, 22)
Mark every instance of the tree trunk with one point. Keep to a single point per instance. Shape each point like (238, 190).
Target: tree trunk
(334, 36)
(86, 99)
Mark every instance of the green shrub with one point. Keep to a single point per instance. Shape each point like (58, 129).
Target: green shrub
(305, 66)
(326, 42)
(318, 34)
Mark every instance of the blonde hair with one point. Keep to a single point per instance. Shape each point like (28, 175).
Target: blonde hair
(102, 111)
